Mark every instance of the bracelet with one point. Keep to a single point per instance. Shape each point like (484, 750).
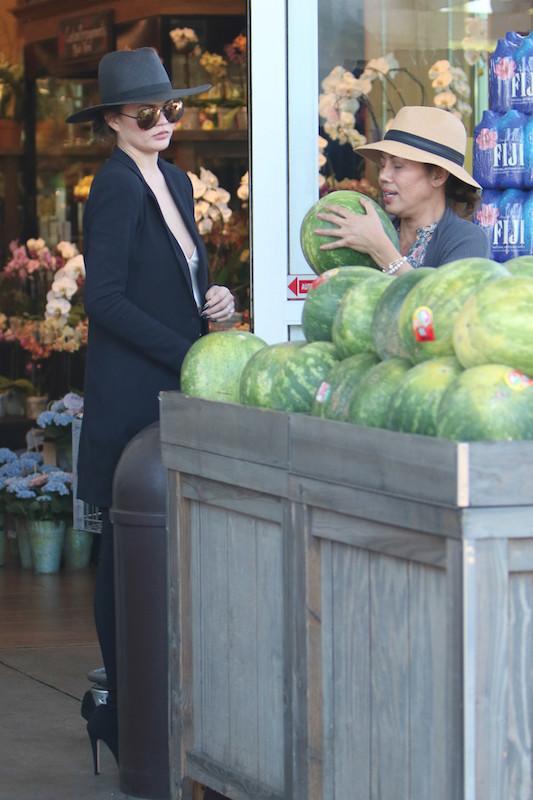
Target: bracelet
(394, 266)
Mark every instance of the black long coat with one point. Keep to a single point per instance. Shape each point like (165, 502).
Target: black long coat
(142, 313)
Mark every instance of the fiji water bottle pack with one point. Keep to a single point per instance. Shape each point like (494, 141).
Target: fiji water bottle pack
(503, 150)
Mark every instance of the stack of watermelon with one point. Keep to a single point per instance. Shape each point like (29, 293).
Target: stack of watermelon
(442, 352)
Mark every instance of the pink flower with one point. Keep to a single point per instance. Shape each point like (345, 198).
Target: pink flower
(487, 216)
(505, 68)
(487, 139)
(33, 265)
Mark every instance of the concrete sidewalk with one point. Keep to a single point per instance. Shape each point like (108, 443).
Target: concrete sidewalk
(44, 745)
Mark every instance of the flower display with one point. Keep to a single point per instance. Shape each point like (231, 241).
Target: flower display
(215, 65)
(210, 200)
(452, 89)
(34, 491)
(66, 283)
(82, 188)
(243, 191)
(237, 50)
(184, 40)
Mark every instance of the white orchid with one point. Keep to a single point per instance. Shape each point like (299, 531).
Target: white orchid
(211, 200)
(243, 192)
(451, 88)
(75, 267)
(35, 245)
(205, 226)
(65, 286)
(67, 250)
(58, 308)
(381, 66)
(184, 39)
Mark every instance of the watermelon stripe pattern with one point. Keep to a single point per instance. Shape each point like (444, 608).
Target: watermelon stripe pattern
(296, 383)
(259, 373)
(333, 397)
(385, 323)
(352, 327)
(370, 401)
(324, 297)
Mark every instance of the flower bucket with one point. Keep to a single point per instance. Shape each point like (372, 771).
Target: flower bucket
(23, 542)
(47, 537)
(77, 548)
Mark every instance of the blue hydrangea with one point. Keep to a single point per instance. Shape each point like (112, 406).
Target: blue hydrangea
(56, 487)
(49, 468)
(7, 455)
(62, 477)
(30, 456)
(12, 470)
(21, 490)
(45, 419)
(58, 405)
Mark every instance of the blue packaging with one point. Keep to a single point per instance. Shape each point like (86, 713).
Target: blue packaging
(509, 154)
(528, 221)
(528, 152)
(485, 144)
(509, 229)
(502, 68)
(488, 211)
(522, 81)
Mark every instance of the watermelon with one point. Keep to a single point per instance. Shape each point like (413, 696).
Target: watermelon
(414, 407)
(496, 326)
(431, 307)
(487, 403)
(323, 298)
(333, 396)
(322, 260)
(352, 327)
(385, 328)
(371, 398)
(521, 266)
(296, 382)
(213, 365)
(258, 374)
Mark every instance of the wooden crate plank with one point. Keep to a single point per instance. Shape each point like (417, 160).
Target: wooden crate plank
(428, 680)
(455, 739)
(520, 553)
(520, 732)
(512, 522)
(213, 674)
(328, 666)
(380, 538)
(351, 672)
(233, 471)
(197, 637)
(386, 509)
(233, 498)
(242, 646)
(501, 473)
(389, 648)
(228, 429)
(229, 783)
(419, 467)
(270, 612)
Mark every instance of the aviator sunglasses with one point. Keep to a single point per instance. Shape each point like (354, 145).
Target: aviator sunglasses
(148, 116)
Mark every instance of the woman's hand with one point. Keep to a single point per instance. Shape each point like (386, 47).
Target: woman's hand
(361, 232)
(219, 303)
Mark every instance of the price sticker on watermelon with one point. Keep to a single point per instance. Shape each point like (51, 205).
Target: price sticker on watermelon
(299, 285)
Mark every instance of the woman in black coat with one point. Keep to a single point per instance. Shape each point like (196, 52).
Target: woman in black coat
(146, 297)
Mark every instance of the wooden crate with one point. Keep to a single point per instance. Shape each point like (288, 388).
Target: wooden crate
(350, 609)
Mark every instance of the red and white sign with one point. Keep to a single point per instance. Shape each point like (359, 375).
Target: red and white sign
(298, 286)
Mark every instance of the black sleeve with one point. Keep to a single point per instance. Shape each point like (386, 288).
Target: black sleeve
(113, 214)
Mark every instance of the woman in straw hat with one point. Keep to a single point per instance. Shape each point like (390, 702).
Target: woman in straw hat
(146, 297)
(422, 180)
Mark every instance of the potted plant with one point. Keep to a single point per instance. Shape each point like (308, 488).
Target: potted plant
(44, 498)
(57, 426)
(14, 470)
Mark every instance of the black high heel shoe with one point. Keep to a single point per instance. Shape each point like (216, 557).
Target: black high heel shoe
(103, 727)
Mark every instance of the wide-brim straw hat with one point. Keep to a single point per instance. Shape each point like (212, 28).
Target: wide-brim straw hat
(428, 135)
(133, 76)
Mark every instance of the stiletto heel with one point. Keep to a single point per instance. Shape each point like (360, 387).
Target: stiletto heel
(95, 746)
(102, 727)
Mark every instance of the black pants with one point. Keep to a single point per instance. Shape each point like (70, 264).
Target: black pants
(104, 605)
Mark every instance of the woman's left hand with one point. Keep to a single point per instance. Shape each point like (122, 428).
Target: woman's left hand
(219, 303)
(361, 232)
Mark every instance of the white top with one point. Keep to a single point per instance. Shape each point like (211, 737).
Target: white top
(194, 266)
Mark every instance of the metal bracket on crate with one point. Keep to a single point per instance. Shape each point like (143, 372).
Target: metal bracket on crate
(85, 517)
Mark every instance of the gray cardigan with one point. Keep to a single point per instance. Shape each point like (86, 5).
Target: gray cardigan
(455, 238)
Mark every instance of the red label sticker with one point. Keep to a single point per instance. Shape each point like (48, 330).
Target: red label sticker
(423, 325)
(323, 391)
(518, 381)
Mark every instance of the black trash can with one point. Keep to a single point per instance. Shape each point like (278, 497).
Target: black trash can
(139, 518)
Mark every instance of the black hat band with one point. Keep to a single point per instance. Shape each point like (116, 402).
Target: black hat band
(426, 144)
(152, 88)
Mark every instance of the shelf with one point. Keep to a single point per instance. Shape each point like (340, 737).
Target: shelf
(215, 135)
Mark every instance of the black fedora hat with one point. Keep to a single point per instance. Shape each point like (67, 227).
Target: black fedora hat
(133, 76)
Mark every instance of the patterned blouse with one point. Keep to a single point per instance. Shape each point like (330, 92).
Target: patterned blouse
(417, 251)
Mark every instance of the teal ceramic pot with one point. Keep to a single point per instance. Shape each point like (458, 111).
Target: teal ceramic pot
(47, 537)
(77, 548)
(23, 542)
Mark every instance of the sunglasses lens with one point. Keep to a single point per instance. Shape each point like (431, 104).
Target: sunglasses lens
(147, 117)
(173, 110)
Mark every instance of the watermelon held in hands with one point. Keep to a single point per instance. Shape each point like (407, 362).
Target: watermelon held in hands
(332, 399)
(385, 324)
(521, 266)
(495, 326)
(213, 365)
(258, 375)
(322, 260)
(352, 326)
(492, 402)
(430, 309)
(371, 398)
(414, 406)
(296, 382)
(323, 298)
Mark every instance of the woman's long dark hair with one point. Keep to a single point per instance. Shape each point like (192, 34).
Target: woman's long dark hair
(101, 129)
(461, 197)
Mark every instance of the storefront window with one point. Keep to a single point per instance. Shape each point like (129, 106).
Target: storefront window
(375, 57)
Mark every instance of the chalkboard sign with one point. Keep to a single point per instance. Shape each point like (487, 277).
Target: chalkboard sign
(85, 37)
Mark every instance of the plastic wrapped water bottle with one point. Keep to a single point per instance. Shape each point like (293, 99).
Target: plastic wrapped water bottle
(522, 81)
(528, 152)
(509, 155)
(485, 144)
(509, 230)
(502, 68)
(488, 212)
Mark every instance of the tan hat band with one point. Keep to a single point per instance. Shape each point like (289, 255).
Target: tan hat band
(427, 145)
